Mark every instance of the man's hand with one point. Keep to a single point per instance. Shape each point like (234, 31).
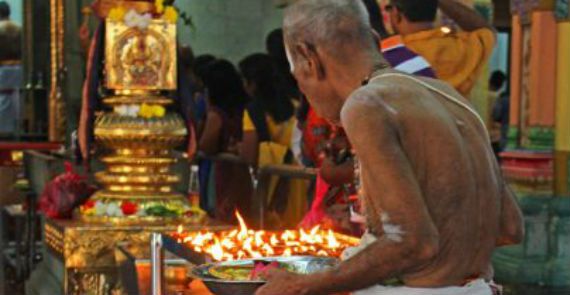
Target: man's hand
(337, 174)
(280, 282)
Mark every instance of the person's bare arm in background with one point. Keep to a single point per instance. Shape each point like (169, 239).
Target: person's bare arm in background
(466, 18)
(249, 148)
(209, 142)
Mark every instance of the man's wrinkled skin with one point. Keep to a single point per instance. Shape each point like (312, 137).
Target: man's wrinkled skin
(426, 165)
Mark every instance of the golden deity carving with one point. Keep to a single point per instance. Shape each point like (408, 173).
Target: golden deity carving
(141, 59)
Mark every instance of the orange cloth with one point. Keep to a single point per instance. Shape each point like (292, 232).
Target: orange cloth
(456, 57)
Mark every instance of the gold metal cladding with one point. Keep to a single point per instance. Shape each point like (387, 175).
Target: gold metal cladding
(133, 93)
(138, 99)
(153, 196)
(132, 189)
(126, 169)
(151, 179)
(170, 125)
(123, 160)
(56, 101)
(128, 134)
(135, 220)
(141, 59)
(92, 244)
(140, 152)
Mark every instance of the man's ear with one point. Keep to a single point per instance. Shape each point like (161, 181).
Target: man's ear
(311, 63)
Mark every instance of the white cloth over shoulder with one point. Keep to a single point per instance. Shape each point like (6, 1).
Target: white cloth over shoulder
(477, 287)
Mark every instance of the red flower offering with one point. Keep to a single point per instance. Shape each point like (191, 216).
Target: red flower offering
(89, 204)
(128, 208)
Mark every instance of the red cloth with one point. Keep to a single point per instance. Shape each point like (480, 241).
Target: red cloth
(316, 134)
(320, 137)
(317, 214)
(65, 193)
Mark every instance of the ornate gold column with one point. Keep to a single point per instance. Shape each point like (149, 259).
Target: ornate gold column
(57, 116)
(138, 130)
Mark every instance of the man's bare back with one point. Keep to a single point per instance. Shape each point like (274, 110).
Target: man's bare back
(434, 198)
(446, 149)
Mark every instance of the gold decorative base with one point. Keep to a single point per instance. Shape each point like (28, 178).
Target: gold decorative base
(169, 201)
(137, 184)
(87, 250)
(138, 179)
(136, 133)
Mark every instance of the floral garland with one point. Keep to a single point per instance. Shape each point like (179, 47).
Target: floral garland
(127, 208)
(134, 19)
(146, 111)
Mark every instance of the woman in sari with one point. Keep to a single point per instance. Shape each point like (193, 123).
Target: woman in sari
(229, 185)
(268, 125)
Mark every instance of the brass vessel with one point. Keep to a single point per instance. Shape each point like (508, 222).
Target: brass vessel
(140, 132)
(139, 161)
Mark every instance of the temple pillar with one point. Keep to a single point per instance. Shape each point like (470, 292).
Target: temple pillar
(536, 163)
(516, 82)
(542, 79)
(562, 144)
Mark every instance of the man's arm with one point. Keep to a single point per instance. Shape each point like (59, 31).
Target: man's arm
(337, 174)
(410, 238)
(467, 19)
(512, 224)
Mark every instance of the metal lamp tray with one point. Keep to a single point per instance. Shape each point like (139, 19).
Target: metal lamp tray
(299, 264)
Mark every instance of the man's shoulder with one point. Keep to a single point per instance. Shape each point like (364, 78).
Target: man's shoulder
(9, 27)
(10, 24)
(400, 96)
(383, 97)
(366, 101)
(400, 85)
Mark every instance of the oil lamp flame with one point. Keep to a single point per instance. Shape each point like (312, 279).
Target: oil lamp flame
(245, 243)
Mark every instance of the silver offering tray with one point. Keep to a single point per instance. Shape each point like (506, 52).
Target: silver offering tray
(298, 264)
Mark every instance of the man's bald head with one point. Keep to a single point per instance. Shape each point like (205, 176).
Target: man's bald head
(333, 26)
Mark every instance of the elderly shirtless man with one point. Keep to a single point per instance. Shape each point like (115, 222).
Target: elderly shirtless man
(435, 202)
